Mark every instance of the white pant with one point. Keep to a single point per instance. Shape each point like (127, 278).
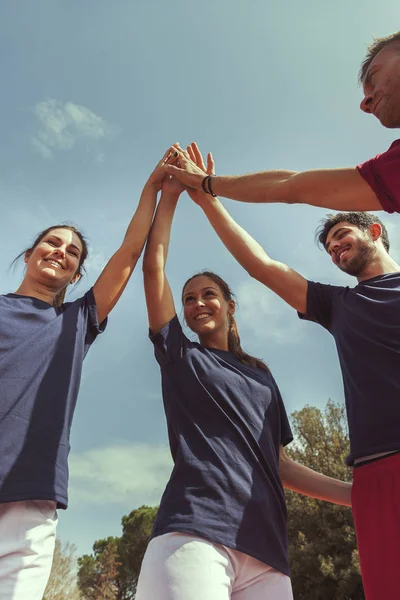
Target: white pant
(27, 538)
(179, 566)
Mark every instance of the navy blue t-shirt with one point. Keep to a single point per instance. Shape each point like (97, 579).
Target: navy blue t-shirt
(365, 322)
(226, 422)
(42, 348)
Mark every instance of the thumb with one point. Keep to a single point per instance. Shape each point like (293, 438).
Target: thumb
(172, 170)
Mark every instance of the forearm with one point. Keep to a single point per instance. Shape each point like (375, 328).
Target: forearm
(266, 186)
(139, 227)
(240, 244)
(156, 252)
(301, 479)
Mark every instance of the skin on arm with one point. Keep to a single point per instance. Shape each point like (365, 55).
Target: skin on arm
(337, 189)
(298, 478)
(116, 274)
(159, 300)
(281, 279)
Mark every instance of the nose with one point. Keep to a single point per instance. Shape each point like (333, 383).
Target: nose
(366, 104)
(59, 251)
(199, 302)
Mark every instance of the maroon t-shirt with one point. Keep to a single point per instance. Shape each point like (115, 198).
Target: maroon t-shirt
(382, 173)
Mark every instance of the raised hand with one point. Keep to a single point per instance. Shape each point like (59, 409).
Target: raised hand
(193, 153)
(190, 168)
(159, 175)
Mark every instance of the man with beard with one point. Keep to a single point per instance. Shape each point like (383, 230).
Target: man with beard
(373, 185)
(365, 323)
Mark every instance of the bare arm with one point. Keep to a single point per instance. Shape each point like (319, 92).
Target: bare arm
(116, 274)
(159, 300)
(337, 189)
(301, 479)
(278, 277)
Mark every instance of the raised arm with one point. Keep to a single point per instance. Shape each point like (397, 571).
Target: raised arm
(159, 300)
(281, 279)
(114, 277)
(337, 189)
(301, 479)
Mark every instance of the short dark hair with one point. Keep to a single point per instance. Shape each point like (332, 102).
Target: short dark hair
(377, 45)
(362, 220)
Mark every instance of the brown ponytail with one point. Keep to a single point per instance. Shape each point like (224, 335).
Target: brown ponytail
(233, 333)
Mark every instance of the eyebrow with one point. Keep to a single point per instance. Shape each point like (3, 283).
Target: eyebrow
(370, 72)
(61, 240)
(207, 287)
(334, 236)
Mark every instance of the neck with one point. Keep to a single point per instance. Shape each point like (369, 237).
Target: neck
(217, 340)
(37, 290)
(379, 265)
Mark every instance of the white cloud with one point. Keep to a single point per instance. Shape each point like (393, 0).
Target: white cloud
(265, 315)
(120, 474)
(63, 125)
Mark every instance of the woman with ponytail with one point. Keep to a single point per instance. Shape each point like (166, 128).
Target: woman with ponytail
(221, 529)
(43, 341)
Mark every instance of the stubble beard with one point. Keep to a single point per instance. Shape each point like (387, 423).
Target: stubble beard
(363, 255)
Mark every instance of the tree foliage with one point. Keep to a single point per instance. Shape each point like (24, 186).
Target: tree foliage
(62, 583)
(322, 544)
(114, 566)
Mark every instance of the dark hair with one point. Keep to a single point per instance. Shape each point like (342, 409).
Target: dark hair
(362, 220)
(377, 45)
(233, 333)
(59, 299)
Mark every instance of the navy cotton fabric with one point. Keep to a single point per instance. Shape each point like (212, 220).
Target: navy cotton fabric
(41, 352)
(365, 322)
(226, 422)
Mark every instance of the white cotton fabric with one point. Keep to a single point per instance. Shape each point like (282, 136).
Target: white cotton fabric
(184, 567)
(27, 539)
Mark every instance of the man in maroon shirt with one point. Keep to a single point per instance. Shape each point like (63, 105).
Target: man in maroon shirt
(374, 185)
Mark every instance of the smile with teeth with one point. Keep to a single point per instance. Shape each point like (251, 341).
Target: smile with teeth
(342, 252)
(202, 316)
(54, 263)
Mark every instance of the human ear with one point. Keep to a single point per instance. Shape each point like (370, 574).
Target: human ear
(75, 278)
(375, 231)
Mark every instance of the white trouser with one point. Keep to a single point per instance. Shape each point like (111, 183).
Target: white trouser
(179, 566)
(27, 538)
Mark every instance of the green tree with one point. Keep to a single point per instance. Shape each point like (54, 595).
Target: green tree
(62, 583)
(322, 543)
(115, 563)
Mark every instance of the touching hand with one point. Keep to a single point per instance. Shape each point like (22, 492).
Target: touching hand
(189, 169)
(159, 175)
(196, 157)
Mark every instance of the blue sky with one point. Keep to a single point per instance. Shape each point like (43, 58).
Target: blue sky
(92, 95)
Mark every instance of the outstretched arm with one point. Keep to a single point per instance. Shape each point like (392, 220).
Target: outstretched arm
(301, 479)
(159, 300)
(116, 274)
(281, 279)
(337, 189)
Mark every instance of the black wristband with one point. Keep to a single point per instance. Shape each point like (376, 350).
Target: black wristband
(209, 186)
(203, 184)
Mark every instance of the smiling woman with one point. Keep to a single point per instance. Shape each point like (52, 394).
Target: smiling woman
(43, 343)
(221, 528)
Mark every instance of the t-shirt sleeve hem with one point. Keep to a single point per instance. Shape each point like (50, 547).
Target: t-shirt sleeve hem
(367, 175)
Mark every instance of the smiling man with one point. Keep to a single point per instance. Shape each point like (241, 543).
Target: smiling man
(373, 185)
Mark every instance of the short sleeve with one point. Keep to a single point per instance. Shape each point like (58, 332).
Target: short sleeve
(170, 343)
(286, 431)
(320, 298)
(382, 173)
(82, 314)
